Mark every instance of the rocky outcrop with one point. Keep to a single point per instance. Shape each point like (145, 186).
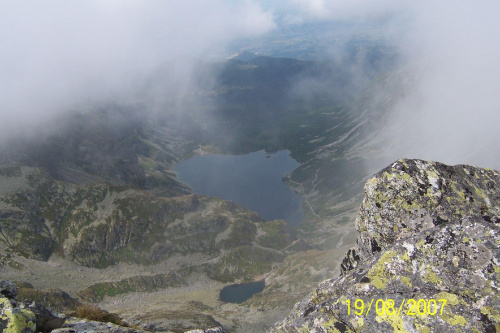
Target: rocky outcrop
(8, 289)
(185, 321)
(12, 317)
(75, 325)
(55, 299)
(427, 260)
(27, 316)
(210, 330)
(98, 225)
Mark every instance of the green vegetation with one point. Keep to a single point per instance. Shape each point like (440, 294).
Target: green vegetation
(241, 234)
(276, 234)
(245, 262)
(139, 283)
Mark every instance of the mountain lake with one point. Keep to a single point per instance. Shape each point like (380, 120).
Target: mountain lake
(238, 293)
(252, 180)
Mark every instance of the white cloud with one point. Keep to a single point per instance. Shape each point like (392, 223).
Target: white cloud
(452, 113)
(452, 50)
(348, 10)
(59, 53)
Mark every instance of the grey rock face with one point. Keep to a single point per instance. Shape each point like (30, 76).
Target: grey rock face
(413, 195)
(75, 325)
(428, 257)
(46, 321)
(8, 289)
(210, 330)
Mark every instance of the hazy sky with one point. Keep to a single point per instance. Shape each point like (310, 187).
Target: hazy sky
(455, 107)
(452, 112)
(452, 51)
(59, 54)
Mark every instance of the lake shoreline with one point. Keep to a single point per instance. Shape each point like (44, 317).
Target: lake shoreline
(253, 180)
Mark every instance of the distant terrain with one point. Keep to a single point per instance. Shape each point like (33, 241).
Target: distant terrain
(93, 207)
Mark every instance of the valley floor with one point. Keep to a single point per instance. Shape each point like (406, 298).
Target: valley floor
(196, 303)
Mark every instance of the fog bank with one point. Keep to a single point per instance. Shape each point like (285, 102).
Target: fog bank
(451, 49)
(58, 55)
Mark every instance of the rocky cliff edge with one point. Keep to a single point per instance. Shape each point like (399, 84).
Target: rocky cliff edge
(427, 258)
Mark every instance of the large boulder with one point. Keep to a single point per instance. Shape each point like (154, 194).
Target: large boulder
(427, 260)
(413, 195)
(14, 319)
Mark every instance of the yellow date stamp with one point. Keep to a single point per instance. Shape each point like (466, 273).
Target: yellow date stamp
(388, 307)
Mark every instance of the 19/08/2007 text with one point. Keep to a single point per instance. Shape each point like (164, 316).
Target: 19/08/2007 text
(388, 307)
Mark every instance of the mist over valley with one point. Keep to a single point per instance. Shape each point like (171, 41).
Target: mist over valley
(157, 158)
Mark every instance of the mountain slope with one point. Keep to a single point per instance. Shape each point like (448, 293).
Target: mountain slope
(95, 198)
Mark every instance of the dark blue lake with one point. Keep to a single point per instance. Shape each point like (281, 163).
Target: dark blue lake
(238, 293)
(253, 180)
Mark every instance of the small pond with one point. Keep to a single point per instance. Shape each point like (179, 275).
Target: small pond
(238, 293)
(252, 180)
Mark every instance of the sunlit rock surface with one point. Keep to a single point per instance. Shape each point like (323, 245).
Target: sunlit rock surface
(428, 231)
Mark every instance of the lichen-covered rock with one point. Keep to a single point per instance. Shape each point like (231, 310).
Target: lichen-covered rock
(428, 257)
(14, 319)
(46, 320)
(414, 195)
